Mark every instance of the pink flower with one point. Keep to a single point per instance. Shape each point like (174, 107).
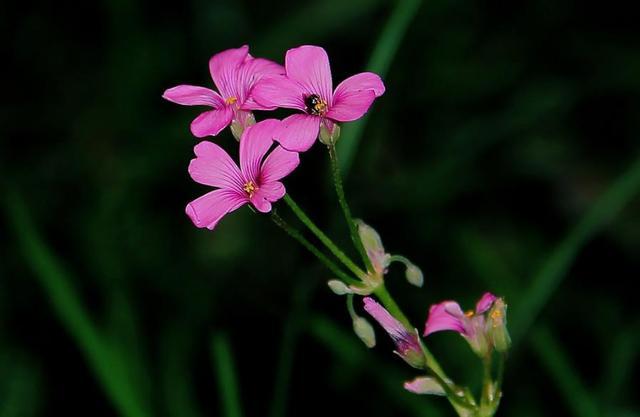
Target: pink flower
(407, 343)
(256, 181)
(235, 73)
(448, 315)
(308, 87)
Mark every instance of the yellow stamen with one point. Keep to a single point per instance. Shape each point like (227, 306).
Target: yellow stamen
(469, 313)
(250, 188)
(496, 315)
(321, 108)
(231, 100)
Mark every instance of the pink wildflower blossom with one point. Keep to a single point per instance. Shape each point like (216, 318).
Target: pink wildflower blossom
(308, 87)
(256, 181)
(407, 343)
(234, 73)
(472, 325)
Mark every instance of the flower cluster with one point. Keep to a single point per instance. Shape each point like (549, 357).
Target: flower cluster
(246, 84)
(484, 328)
(269, 151)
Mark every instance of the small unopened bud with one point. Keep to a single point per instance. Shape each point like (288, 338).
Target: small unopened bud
(372, 243)
(364, 331)
(414, 275)
(410, 353)
(329, 134)
(338, 287)
(242, 121)
(424, 385)
(407, 343)
(497, 326)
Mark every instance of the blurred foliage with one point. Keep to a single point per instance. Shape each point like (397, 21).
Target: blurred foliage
(503, 156)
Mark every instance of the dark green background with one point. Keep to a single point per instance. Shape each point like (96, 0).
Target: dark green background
(503, 157)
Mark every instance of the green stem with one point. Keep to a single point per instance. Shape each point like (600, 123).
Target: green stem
(294, 233)
(353, 230)
(486, 398)
(324, 238)
(499, 379)
(350, 308)
(391, 305)
(461, 403)
(400, 258)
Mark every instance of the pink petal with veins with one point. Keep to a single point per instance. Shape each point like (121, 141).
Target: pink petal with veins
(213, 166)
(361, 82)
(309, 66)
(254, 144)
(224, 68)
(350, 106)
(446, 315)
(267, 194)
(298, 132)
(211, 122)
(251, 72)
(279, 91)
(206, 211)
(191, 95)
(279, 164)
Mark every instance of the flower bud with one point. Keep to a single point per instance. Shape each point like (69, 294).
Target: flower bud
(338, 287)
(407, 343)
(364, 331)
(497, 326)
(373, 245)
(411, 353)
(414, 275)
(329, 133)
(424, 385)
(243, 120)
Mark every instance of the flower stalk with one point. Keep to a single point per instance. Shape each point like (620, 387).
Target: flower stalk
(295, 234)
(269, 151)
(335, 250)
(353, 231)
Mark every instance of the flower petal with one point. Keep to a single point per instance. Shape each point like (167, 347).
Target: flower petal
(224, 68)
(213, 166)
(278, 164)
(211, 122)
(254, 144)
(485, 302)
(206, 211)
(360, 82)
(191, 95)
(298, 132)
(309, 66)
(445, 316)
(424, 385)
(267, 194)
(391, 325)
(352, 105)
(278, 91)
(251, 72)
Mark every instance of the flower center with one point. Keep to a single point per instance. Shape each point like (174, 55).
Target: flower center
(231, 100)
(315, 105)
(250, 188)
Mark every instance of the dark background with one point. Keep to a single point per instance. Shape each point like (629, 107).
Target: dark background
(503, 157)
